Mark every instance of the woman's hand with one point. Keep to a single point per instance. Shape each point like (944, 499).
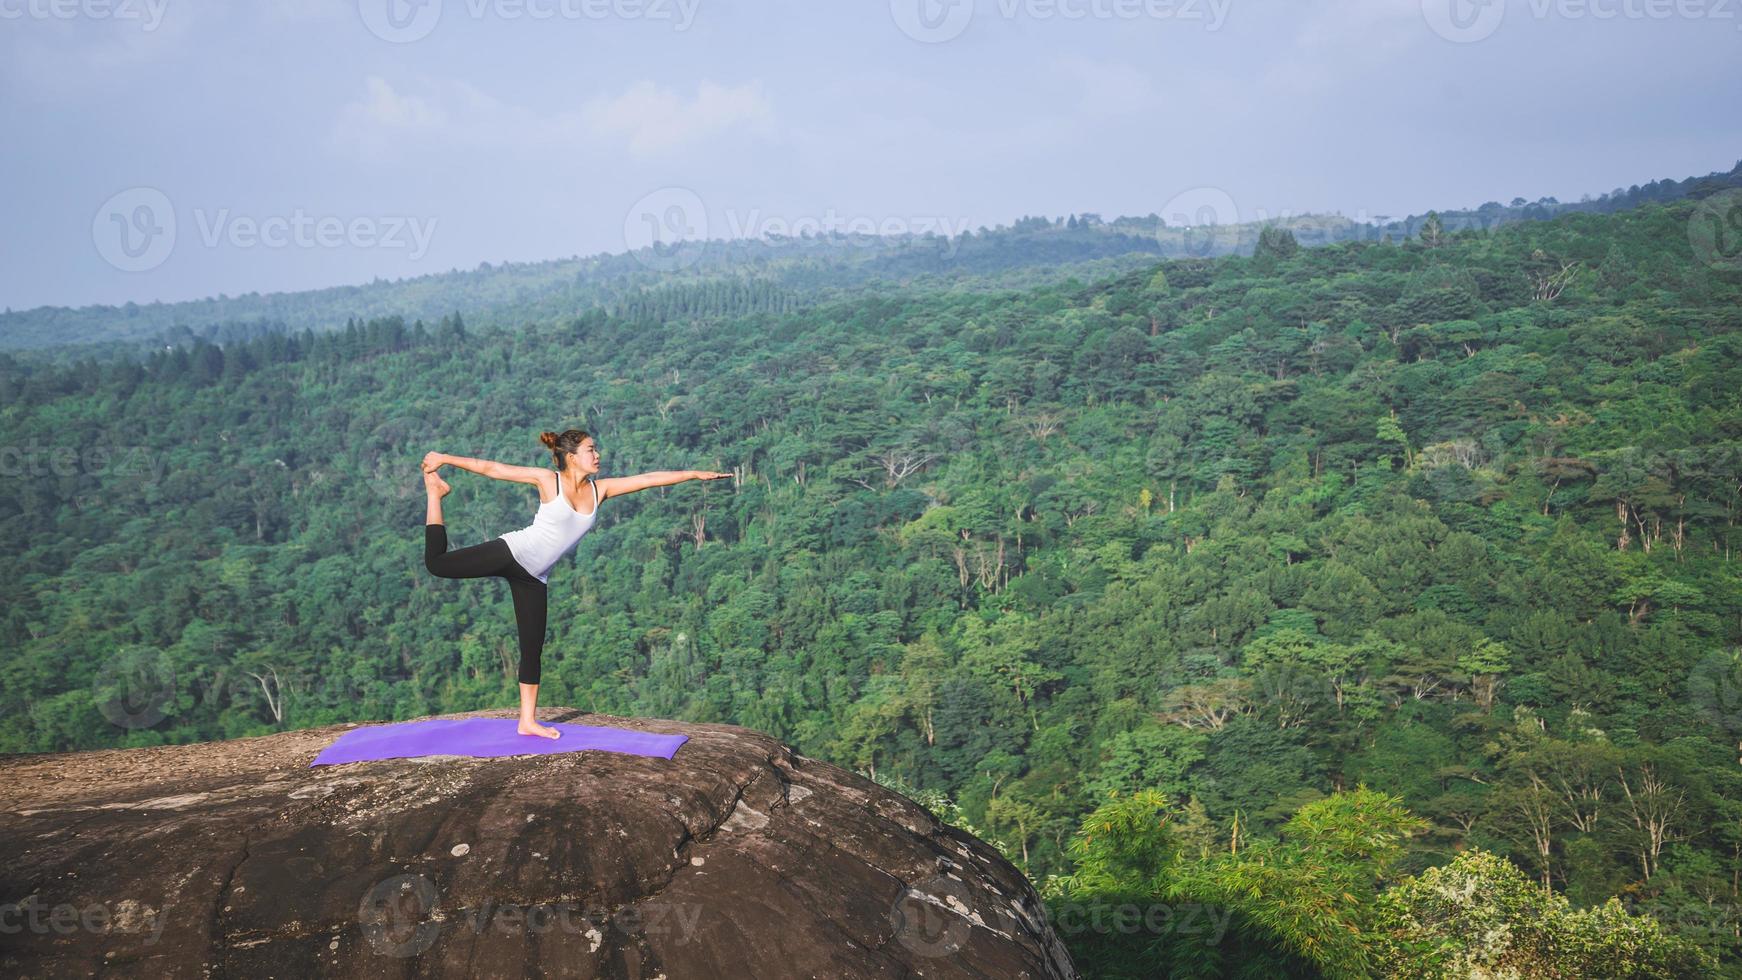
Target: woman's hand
(705, 475)
(434, 461)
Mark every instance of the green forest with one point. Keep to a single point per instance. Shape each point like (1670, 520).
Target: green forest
(1376, 602)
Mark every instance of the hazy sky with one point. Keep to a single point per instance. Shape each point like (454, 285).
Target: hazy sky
(172, 149)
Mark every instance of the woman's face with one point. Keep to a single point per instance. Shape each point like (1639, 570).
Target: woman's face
(588, 456)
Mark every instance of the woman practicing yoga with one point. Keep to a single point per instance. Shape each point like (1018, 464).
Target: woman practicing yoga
(525, 557)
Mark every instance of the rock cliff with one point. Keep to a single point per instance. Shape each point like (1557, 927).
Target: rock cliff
(736, 858)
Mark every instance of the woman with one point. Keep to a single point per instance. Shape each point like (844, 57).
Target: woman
(525, 557)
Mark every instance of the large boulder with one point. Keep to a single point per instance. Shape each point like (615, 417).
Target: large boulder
(736, 858)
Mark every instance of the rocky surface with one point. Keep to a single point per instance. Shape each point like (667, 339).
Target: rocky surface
(736, 858)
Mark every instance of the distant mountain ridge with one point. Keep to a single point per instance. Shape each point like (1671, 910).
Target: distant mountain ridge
(1031, 250)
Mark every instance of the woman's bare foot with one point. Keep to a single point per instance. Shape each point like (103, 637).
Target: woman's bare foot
(534, 728)
(436, 484)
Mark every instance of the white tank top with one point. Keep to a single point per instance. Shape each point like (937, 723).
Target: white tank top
(555, 529)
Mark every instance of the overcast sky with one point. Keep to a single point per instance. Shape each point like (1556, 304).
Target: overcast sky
(173, 149)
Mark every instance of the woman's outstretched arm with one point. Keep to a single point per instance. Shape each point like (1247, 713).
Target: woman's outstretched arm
(618, 485)
(485, 467)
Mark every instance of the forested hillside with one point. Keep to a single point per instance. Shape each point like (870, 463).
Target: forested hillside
(1299, 584)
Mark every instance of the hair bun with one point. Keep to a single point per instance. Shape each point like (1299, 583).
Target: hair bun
(548, 438)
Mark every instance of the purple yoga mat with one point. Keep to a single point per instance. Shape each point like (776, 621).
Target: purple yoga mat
(485, 738)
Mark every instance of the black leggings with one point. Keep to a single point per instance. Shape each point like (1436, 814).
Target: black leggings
(493, 558)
